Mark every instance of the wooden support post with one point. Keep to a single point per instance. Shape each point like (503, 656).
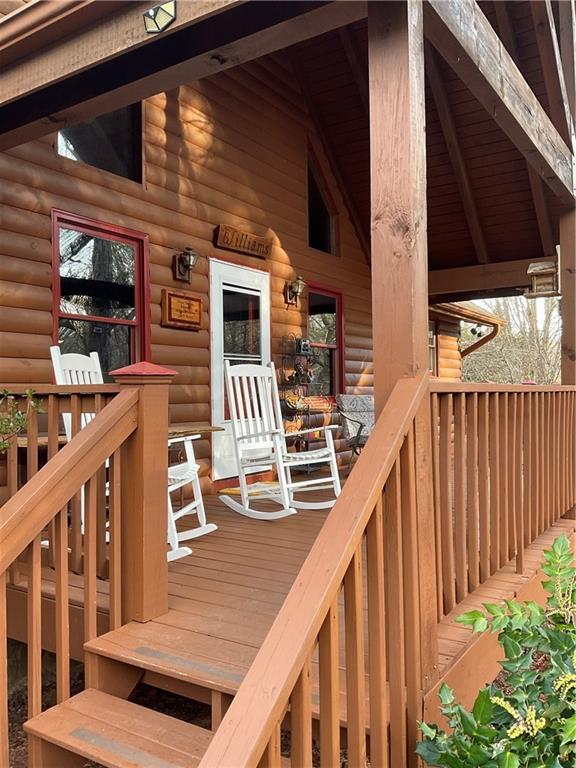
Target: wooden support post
(398, 193)
(400, 299)
(568, 288)
(144, 500)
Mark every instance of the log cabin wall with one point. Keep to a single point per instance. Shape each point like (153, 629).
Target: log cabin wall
(448, 350)
(229, 149)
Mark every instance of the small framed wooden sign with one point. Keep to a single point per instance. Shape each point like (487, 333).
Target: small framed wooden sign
(233, 239)
(181, 310)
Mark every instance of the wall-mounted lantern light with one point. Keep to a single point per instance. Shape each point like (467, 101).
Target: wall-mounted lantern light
(293, 290)
(544, 279)
(183, 264)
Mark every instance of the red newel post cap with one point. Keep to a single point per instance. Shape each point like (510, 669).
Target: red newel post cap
(143, 369)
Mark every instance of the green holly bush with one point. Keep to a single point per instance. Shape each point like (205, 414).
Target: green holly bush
(527, 717)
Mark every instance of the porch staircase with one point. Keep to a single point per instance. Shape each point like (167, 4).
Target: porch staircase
(99, 724)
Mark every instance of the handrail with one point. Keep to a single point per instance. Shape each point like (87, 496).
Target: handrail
(259, 704)
(62, 389)
(437, 385)
(24, 516)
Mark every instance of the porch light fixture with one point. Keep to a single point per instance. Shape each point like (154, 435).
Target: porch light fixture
(294, 290)
(183, 264)
(160, 17)
(544, 280)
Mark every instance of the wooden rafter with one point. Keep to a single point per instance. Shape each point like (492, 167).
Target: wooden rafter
(508, 37)
(327, 147)
(498, 276)
(567, 33)
(93, 86)
(355, 63)
(455, 153)
(549, 49)
(463, 36)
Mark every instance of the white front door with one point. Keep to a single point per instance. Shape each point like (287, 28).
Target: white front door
(239, 332)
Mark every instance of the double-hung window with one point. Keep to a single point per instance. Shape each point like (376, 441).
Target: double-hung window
(100, 290)
(325, 333)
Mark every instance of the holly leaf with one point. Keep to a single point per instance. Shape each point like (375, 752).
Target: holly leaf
(508, 760)
(483, 708)
(569, 731)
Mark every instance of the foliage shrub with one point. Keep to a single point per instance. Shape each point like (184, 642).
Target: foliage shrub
(527, 717)
(12, 418)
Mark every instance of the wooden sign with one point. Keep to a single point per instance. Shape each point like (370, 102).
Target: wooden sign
(181, 310)
(233, 239)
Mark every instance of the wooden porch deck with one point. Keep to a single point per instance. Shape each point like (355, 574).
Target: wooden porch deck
(224, 597)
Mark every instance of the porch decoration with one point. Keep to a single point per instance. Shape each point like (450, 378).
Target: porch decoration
(544, 280)
(181, 309)
(232, 239)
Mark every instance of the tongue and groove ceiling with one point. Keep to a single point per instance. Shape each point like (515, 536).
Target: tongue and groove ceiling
(333, 74)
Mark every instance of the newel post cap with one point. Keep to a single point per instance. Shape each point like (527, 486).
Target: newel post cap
(143, 373)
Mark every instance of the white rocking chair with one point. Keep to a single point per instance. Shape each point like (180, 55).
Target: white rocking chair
(73, 368)
(260, 443)
(180, 475)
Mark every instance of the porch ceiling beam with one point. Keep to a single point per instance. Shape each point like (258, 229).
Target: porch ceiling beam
(119, 31)
(215, 43)
(455, 152)
(463, 36)
(358, 70)
(549, 50)
(508, 37)
(497, 276)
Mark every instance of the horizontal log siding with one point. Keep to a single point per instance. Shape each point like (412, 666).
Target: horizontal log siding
(229, 149)
(449, 357)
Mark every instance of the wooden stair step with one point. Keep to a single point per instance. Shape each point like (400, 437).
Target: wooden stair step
(118, 734)
(172, 651)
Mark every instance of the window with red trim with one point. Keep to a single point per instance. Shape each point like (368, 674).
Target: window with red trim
(325, 334)
(100, 290)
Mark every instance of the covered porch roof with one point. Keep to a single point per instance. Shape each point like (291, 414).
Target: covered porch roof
(492, 208)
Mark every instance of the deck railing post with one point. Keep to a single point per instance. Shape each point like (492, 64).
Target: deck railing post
(143, 495)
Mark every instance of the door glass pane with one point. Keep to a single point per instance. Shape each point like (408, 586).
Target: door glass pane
(241, 322)
(111, 341)
(97, 276)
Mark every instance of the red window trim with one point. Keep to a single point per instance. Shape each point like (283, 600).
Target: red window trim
(339, 346)
(132, 237)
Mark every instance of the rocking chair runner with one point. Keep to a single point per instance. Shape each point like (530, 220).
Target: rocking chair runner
(260, 443)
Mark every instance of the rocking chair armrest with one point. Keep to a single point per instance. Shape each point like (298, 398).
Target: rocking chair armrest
(182, 438)
(264, 433)
(330, 427)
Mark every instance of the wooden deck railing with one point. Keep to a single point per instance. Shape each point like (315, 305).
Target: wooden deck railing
(504, 472)
(82, 512)
(40, 441)
(352, 561)
(394, 556)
